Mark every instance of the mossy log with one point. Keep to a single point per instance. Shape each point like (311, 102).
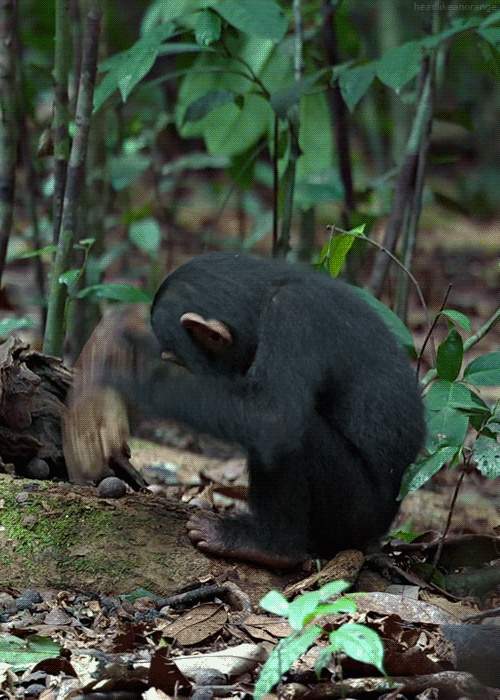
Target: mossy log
(63, 536)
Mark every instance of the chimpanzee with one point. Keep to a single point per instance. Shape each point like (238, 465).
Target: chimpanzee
(305, 376)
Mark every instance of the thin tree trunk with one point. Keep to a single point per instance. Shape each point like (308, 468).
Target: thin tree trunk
(340, 117)
(8, 126)
(54, 335)
(61, 116)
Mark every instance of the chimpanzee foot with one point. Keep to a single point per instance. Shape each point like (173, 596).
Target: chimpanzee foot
(206, 531)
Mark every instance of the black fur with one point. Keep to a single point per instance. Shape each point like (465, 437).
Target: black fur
(314, 388)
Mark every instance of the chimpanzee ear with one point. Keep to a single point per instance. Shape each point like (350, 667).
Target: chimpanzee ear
(211, 334)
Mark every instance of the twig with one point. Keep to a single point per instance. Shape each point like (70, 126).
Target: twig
(430, 331)
(381, 247)
(439, 549)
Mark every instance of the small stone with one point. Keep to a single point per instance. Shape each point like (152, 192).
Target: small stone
(112, 487)
(202, 694)
(37, 469)
(28, 599)
(110, 603)
(34, 690)
(7, 602)
(210, 676)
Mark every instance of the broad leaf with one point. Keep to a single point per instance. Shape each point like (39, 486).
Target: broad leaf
(146, 235)
(447, 427)
(416, 475)
(206, 103)
(275, 602)
(444, 393)
(7, 325)
(207, 28)
(360, 643)
(21, 654)
(449, 356)
(263, 18)
(287, 97)
(354, 83)
(485, 370)
(127, 68)
(116, 292)
(399, 65)
(284, 654)
(487, 456)
(458, 318)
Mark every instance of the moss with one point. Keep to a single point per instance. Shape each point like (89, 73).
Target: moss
(34, 527)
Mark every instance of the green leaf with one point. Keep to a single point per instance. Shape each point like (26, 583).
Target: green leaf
(343, 605)
(444, 393)
(399, 65)
(315, 163)
(446, 427)
(309, 193)
(207, 28)
(263, 18)
(70, 277)
(329, 590)
(458, 318)
(116, 292)
(360, 643)
(205, 104)
(127, 68)
(450, 355)
(340, 246)
(491, 19)
(275, 602)
(393, 322)
(125, 169)
(416, 475)
(7, 325)
(485, 370)
(491, 35)
(146, 235)
(486, 453)
(33, 253)
(197, 160)
(301, 608)
(21, 654)
(354, 83)
(284, 654)
(285, 98)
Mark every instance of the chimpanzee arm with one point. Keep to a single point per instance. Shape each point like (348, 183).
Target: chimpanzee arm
(266, 411)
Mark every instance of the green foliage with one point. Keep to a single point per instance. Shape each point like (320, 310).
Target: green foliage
(449, 356)
(400, 64)
(453, 409)
(126, 69)
(116, 292)
(484, 371)
(8, 325)
(21, 654)
(206, 103)
(487, 456)
(146, 235)
(354, 640)
(263, 18)
(207, 28)
(354, 83)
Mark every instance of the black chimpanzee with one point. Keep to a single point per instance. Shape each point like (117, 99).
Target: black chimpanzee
(298, 370)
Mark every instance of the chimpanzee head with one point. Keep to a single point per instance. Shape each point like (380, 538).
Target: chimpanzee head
(205, 314)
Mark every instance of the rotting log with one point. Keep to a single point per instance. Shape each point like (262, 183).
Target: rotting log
(62, 536)
(33, 388)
